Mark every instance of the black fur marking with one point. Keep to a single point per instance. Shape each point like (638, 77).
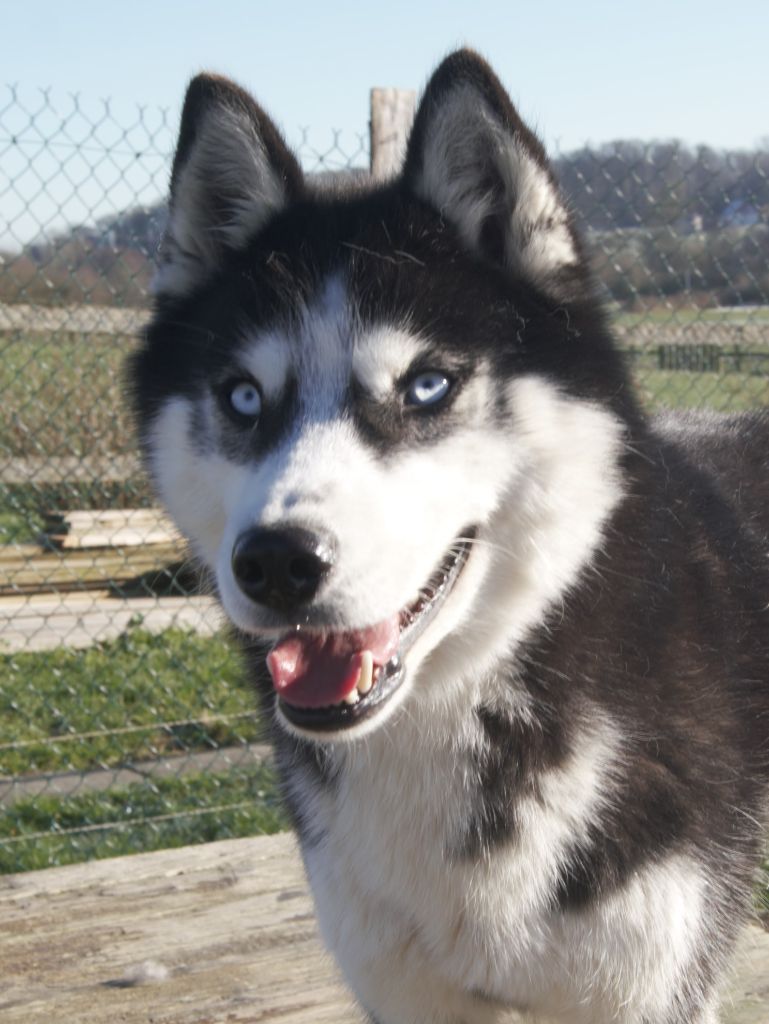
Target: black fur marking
(509, 763)
(246, 442)
(693, 704)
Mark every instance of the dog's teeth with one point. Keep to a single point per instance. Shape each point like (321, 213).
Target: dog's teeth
(366, 680)
(352, 698)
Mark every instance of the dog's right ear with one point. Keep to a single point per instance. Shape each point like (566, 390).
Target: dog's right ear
(232, 171)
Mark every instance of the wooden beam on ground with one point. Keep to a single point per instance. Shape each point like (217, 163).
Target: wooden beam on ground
(203, 935)
(82, 618)
(60, 572)
(102, 528)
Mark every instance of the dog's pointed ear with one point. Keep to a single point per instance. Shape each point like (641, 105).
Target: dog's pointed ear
(471, 157)
(232, 171)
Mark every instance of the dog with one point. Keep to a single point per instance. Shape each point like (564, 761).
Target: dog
(510, 637)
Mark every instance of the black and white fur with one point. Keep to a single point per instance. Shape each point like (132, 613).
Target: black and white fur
(559, 809)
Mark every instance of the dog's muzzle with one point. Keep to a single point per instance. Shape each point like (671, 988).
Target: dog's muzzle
(330, 680)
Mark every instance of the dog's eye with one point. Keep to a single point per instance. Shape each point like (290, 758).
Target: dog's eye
(244, 399)
(428, 388)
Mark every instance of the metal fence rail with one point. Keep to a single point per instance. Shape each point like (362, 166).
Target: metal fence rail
(124, 720)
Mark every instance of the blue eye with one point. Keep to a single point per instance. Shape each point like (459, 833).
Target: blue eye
(428, 388)
(245, 399)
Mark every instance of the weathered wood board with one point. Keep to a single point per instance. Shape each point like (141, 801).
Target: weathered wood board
(23, 571)
(41, 622)
(226, 930)
(106, 528)
(215, 934)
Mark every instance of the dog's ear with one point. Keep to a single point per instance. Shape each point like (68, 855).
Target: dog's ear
(471, 157)
(232, 171)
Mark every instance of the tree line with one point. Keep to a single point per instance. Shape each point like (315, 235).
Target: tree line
(663, 219)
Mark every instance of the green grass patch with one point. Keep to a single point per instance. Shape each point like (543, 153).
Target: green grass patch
(64, 394)
(47, 831)
(762, 897)
(728, 392)
(736, 316)
(761, 901)
(75, 710)
(20, 527)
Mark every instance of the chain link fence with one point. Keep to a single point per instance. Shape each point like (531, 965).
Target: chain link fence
(125, 724)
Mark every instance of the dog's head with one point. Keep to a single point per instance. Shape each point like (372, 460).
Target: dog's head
(387, 416)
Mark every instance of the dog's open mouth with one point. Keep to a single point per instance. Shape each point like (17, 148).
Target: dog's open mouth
(327, 682)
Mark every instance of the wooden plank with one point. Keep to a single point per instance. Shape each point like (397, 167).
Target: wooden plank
(203, 935)
(84, 569)
(95, 528)
(223, 932)
(18, 553)
(43, 470)
(80, 319)
(77, 619)
(392, 113)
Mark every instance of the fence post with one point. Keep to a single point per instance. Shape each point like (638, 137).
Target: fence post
(392, 111)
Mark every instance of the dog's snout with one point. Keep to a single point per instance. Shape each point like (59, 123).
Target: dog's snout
(282, 568)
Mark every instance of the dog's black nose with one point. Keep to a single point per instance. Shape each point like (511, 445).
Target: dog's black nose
(282, 569)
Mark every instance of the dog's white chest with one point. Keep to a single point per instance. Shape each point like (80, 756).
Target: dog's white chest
(397, 898)
(415, 924)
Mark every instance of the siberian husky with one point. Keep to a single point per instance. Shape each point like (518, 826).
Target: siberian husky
(511, 638)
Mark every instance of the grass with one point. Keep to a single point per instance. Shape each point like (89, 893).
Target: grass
(735, 392)
(134, 698)
(687, 315)
(762, 894)
(47, 831)
(17, 527)
(63, 394)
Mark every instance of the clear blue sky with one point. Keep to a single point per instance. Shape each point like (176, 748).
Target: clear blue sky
(580, 69)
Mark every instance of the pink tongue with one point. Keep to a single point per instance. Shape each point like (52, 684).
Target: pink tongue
(311, 671)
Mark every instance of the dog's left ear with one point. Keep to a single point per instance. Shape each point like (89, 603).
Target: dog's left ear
(471, 157)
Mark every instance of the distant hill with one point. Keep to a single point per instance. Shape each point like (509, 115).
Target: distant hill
(663, 218)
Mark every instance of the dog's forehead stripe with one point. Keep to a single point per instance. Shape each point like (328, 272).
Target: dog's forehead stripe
(327, 348)
(322, 348)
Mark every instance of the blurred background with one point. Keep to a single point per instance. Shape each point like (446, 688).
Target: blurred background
(124, 721)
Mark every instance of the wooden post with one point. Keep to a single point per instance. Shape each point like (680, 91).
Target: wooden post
(392, 111)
